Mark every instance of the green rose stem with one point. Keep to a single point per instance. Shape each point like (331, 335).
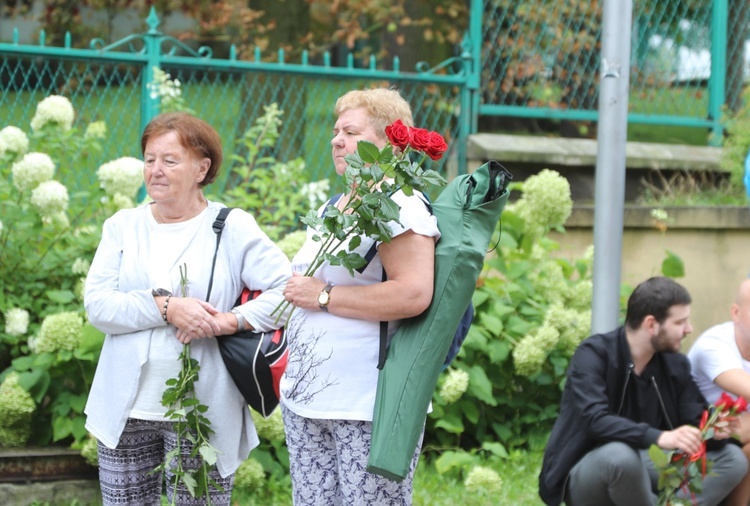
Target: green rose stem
(192, 425)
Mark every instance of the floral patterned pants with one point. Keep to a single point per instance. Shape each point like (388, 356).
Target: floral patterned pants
(125, 472)
(328, 464)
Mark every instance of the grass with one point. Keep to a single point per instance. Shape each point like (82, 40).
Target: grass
(519, 474)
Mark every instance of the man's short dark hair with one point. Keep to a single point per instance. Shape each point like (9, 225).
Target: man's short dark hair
(654, 297)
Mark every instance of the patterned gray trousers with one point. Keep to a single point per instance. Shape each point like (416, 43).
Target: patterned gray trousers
(125, 473)
(328, 464)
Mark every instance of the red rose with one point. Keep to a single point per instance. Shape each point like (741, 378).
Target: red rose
(398, 134)
(740, 405)
(437, 146)
(725, 402)
(420, 139)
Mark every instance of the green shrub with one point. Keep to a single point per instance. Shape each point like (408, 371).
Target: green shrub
(532, 310)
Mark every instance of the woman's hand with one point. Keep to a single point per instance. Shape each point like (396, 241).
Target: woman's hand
(303, 291)
(194, 318)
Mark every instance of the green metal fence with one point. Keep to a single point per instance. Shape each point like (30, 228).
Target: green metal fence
(111, 83)
(536, 58)
(540, 59)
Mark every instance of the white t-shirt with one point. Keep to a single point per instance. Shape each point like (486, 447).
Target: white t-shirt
(714, 353)
(332, 371)
(170, 246)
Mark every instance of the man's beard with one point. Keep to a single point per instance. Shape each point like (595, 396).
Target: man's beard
(661, 343)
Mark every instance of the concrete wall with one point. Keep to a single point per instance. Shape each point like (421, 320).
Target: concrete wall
(713, 242)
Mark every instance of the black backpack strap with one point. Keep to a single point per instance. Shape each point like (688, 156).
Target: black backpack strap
(218, 227)
(383, 338)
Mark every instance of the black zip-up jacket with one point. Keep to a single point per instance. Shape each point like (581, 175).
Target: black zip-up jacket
(592, 402)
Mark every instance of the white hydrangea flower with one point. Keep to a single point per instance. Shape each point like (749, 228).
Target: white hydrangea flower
(250, 476)
(14, 140)
(123, 175)
(16, 321)
(96, 130)
(80, 288)
(271, 428)
(549, 280)
(60, 331)
(50, 198)
(167, 90)
(580, 294)
(54, 110)
(579, 329)
(530, 352)
(120, 201)
(80, 266)
(482, 478)
(31, 170)
(16, 409)
(59, 220)
(454, 385)
(316, 192)
(547, 199)
(659, 214)
(89, 451)
(588, 256)
(291, 243)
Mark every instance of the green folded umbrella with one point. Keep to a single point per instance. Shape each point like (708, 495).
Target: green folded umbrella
(467, 210)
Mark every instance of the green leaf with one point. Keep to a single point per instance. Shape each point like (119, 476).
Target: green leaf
(451, 423)
(480, 385)
(658, 457)
(92, 340)
(209, 454)
(451, 459)
(62, 427)
(496, 449)
(61, 296)
(368, 151)
(190, 483)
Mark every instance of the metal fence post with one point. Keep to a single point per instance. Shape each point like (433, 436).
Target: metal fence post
(152, 41)
(717, 80)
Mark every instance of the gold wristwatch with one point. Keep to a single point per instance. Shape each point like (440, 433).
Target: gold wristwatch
(324, 298)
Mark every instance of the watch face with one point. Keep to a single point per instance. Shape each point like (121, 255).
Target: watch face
(323, 298)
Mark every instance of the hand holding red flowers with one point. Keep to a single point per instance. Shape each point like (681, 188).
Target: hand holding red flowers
(685, 471)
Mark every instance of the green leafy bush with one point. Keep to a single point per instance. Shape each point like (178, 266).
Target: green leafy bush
(532, 310)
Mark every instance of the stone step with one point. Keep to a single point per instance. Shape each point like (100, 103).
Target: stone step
(576, 160)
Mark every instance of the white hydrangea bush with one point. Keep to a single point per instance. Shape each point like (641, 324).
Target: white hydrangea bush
(48, 237)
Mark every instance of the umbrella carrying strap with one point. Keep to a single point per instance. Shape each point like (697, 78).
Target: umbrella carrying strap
(255, 360)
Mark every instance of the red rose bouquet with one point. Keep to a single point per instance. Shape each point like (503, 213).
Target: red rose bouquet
(372, 176)
(680, 471)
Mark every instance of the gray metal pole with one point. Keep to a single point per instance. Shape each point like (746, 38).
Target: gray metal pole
(610, 163)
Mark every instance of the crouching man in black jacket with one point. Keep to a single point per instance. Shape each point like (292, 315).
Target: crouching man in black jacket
(626, 390)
